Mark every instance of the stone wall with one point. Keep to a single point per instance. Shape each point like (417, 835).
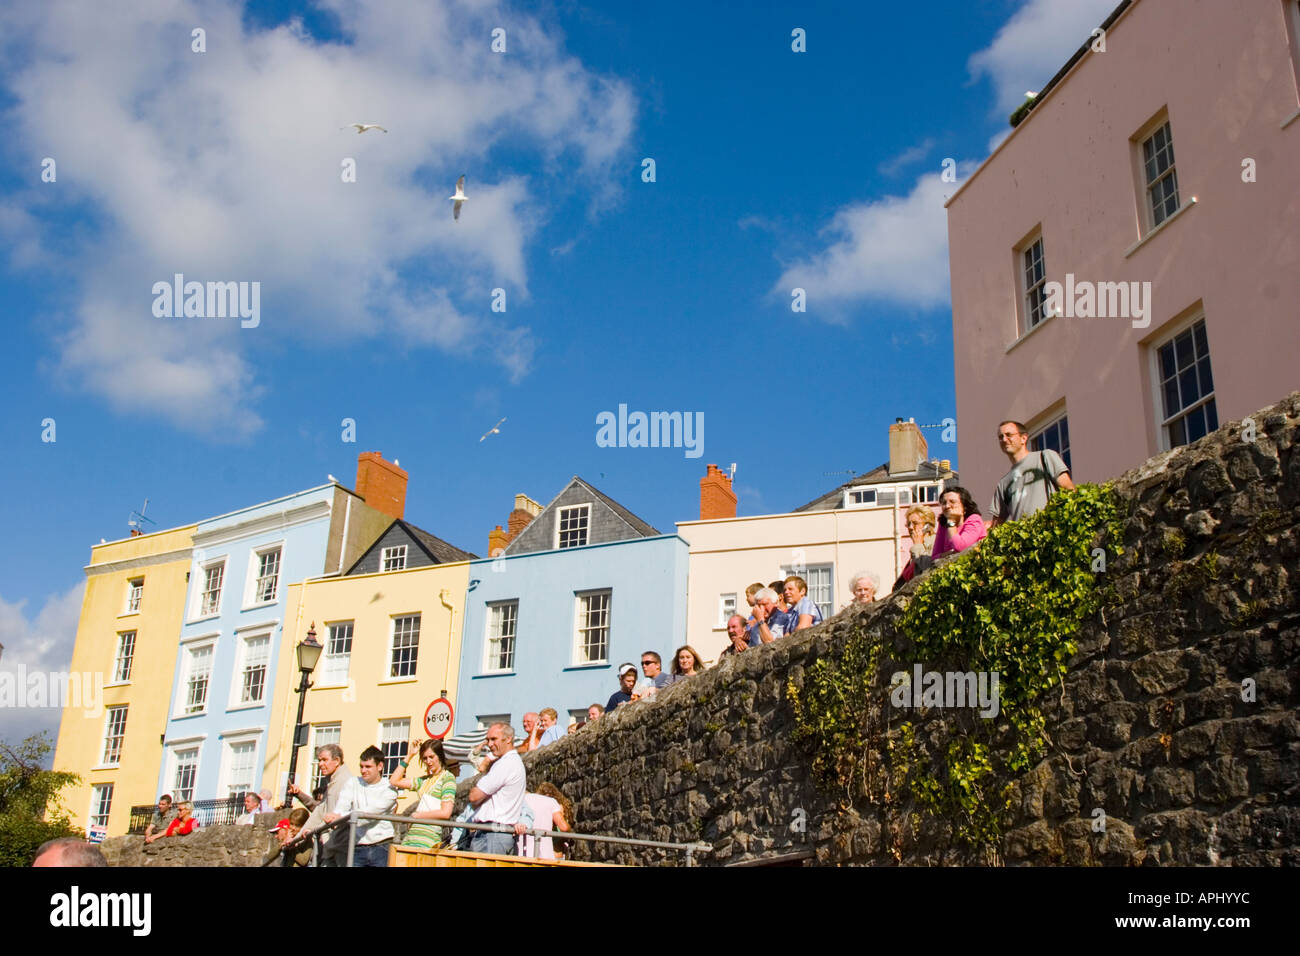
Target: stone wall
(206, 846)
(1151, 727)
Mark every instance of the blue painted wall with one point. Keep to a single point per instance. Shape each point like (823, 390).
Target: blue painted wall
(647, 578)
(302, 555)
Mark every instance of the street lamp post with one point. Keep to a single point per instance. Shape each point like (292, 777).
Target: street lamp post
(309, 652)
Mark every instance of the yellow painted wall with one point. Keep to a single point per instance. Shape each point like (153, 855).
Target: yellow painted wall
(370, 601)
(162, 559)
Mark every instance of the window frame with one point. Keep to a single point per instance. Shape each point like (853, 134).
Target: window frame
(200, 609)
(829, 568)
(1167, 336)
(400, 744)
(328, 679)
(97, 805)
(191, 649)
(228, 745)
(862, 490)
(1147, 223)
(385, 556)
(328, 726)
(585, 508)
(174, 764)
(134, 596)
(1024, 310)
(242, 658)
(113, 731)
(253, 586)
(414, 661)
(578, 625)
(490, 660)
(723, 616)
(1059, 420)
(119, 658)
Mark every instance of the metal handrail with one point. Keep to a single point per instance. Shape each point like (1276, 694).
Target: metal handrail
(690, 849)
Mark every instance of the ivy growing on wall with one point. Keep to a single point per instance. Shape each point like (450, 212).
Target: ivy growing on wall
(1012, 605)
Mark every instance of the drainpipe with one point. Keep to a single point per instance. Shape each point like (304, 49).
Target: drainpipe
(897, 569)
(343, 545)
(451, 624)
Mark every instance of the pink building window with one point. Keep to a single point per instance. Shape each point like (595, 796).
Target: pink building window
(1161, 177)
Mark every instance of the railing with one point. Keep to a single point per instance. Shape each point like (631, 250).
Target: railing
(209, 813)
(350, 821)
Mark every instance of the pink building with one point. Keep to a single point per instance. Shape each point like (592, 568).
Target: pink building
(1126, 264)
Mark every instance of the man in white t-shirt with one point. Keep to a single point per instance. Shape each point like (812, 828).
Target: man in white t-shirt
(369, 793)
(498, 797)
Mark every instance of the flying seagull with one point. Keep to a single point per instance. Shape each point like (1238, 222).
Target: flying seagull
(364, 127)
(459, 200)
(495, 429)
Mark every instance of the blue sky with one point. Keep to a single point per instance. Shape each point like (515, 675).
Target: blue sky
(774, 169)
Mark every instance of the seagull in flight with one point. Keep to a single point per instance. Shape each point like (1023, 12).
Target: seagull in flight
(495, 429)
(459, 200)
(364, 127)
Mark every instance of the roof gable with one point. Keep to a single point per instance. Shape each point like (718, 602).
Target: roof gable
(609, 521)
(423, 549)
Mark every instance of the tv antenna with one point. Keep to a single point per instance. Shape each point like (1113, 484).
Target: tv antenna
(138, 519)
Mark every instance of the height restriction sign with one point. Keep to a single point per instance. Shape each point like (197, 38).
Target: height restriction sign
(437, 719)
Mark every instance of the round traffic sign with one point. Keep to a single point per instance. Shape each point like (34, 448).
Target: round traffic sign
(437, 719)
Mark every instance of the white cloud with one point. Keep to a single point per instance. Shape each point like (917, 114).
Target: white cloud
(1034, 44)
(226, 166)
(891, 250)
(913, 154)
(41, 644)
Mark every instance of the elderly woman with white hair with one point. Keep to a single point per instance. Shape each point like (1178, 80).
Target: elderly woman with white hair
(864, 585)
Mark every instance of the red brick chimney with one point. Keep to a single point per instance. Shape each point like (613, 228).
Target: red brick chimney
(717, 500)
(521, 516)
(381, 484)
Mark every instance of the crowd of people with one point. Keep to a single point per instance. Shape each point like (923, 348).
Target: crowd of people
(501, 795)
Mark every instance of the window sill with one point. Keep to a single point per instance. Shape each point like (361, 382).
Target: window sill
(1029, 333)
(117, 683)
(259, 605)
(128, 614)
(107, 766)
(1160, 228)
(1290, 119)
(204, 617)
(594, 665)
(197, 713)
(399, 680)
(234, 707)
(343, 686)
(493, 674)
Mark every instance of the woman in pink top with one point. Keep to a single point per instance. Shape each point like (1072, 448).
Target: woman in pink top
(960, 524)
(551, 810)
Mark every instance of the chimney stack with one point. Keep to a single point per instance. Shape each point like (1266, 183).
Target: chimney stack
(520, 517)
(717, 500)
(381, 484)
(907, 447)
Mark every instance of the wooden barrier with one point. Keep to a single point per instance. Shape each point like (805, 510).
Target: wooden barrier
(417, 856)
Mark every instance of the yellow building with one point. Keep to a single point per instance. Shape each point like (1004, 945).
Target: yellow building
(392, 646)
(126, 639)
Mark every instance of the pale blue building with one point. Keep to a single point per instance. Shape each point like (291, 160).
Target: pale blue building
(586, 586)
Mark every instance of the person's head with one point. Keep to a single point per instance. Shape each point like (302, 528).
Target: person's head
(795, 588)
(626, 677)
(183, 810)
(530, 722)
(595, 712)
(549, 717)
(1012, 438)
(651, 663)
(69, 851)
(956, 502)
(735, 626)
(779, 588)
(328, 758)
(501, 737)
(164, 803)
(686, 661)
(265, 796)
(920, 523)
(288, 829)
(432, 757)
(864, 586)
(549, 789)
(766, 598)
(372, 764)
(252, 802)
(751, 591)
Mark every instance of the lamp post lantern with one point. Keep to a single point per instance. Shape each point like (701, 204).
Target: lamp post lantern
(309, 652)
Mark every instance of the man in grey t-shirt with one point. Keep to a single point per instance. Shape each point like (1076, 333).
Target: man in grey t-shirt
(1034, 477)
